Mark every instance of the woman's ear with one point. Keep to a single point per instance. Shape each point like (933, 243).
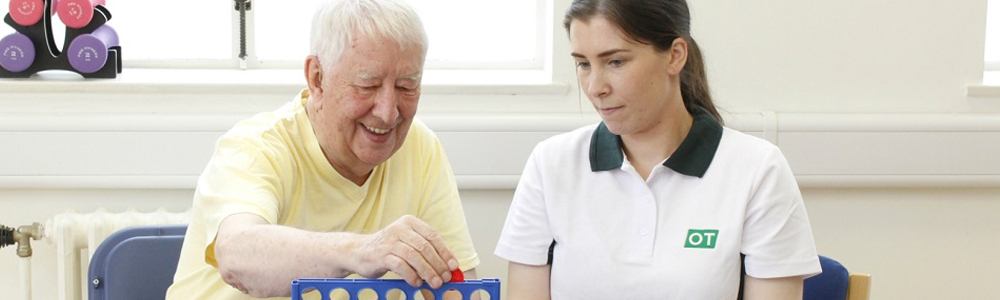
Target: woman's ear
(314, 75)
(678, 55)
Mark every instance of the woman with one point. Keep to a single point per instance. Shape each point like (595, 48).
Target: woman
(658, 201)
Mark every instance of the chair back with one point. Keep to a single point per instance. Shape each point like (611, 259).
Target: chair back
(135, 263)
(832, 284)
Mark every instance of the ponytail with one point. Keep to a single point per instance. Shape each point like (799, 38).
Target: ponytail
(694, 83)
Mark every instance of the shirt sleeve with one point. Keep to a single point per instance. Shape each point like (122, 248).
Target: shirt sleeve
(443, 209)
(526, 235)
(777, 237)
(239, 178)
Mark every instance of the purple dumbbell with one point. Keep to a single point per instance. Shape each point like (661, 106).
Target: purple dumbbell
(88, 53)
(17, 52)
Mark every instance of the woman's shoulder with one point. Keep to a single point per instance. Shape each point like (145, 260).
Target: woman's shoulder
(746, 146)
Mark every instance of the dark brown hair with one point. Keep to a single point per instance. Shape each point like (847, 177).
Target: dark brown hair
(656, 23)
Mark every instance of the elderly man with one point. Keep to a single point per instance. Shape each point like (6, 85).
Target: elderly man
(339, 181)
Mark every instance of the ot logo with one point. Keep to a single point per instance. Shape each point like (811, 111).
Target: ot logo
(701, 238)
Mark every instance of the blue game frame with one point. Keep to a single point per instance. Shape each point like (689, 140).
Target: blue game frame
(382, 286)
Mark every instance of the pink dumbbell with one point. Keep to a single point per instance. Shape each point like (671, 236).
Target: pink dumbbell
(77, 13)
(28, 12)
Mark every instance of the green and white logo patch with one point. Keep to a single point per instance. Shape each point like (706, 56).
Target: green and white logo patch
(701, 238)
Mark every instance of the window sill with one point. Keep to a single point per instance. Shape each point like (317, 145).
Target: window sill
(990, 88)
(275, 81)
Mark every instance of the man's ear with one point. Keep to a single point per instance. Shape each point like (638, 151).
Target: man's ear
(678, 55)
(314, 75)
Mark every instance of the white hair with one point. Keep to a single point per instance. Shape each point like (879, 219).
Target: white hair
(337, 22)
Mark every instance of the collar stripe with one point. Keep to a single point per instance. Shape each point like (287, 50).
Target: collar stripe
(691, 158)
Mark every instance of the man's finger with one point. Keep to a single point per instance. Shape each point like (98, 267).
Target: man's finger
(427, 250)
(435, 239)
(400, 267)
(417, 262)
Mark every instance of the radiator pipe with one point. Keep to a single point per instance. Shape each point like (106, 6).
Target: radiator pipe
(22, 237)
(25, 265)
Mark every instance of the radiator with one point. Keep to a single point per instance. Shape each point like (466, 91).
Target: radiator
(76, 237)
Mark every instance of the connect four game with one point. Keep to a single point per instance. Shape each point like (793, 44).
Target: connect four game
(383, 288)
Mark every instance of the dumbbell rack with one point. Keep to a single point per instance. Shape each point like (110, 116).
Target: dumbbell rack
(49, 57)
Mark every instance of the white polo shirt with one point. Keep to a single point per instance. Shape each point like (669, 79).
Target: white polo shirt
(678, 235)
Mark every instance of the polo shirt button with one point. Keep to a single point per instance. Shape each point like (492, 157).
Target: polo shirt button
(643, 232)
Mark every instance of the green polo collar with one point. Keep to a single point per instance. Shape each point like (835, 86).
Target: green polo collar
(692, 158)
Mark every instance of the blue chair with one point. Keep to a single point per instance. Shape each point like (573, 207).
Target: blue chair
(836, 283)
(135, 263)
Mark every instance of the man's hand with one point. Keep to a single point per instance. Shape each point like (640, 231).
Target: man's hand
(410, 248)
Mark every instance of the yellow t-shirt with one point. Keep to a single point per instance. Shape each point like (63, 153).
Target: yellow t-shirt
(271, 165)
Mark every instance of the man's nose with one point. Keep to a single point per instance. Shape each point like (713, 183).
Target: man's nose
(386, 107)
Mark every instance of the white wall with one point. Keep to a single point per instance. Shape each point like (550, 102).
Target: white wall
(919, 243)
(867, 99)
(842, 56)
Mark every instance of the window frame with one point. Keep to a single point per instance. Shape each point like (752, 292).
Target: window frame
(538, 62)
(210, 84)
(992, 22)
